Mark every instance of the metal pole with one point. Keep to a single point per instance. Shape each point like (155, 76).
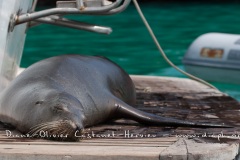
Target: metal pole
(80, 4)
(34, 5)
(74, 24)
(117, 10)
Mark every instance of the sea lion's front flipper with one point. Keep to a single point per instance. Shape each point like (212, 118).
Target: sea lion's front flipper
(129, 112)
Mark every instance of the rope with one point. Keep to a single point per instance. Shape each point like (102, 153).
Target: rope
(161, 50)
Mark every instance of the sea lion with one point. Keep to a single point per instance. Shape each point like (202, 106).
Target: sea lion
(65, 94)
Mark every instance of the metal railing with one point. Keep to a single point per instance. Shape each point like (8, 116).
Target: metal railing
(54, 15)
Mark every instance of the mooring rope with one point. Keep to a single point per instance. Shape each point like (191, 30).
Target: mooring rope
(161, 50)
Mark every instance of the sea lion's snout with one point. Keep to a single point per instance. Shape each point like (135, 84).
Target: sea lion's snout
(63, 118)
(64, 130)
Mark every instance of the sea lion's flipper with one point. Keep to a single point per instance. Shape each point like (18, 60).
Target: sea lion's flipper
(145, 118)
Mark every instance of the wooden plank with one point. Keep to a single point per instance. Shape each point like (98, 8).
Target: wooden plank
(186, 149)
(77, 152)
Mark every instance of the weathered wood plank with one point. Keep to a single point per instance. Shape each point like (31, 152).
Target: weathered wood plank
(76, 152)
(186, 149)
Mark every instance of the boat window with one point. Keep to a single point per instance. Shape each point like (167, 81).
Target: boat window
(211, 53)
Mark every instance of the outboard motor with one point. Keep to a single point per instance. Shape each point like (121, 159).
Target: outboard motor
(214, 57)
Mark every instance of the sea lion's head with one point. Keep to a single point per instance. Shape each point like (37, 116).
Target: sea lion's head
(57, 116)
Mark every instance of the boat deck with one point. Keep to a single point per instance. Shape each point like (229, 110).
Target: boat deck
(125, 139)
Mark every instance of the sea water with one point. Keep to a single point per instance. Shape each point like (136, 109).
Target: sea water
(176, 25)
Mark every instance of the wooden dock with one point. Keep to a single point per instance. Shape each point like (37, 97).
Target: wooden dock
(124, 139)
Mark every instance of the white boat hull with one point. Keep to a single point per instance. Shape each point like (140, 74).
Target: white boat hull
(11, 41)
(215, 74)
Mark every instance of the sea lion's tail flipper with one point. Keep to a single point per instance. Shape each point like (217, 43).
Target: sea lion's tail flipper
(145, 118)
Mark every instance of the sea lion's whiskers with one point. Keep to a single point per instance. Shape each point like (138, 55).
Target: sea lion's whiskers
(47, 124)
(41, 125)
(37, 129)
(54, 127)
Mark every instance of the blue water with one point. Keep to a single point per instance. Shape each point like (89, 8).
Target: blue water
(176, 25)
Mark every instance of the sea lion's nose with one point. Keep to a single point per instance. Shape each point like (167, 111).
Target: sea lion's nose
(78, 119)
(79, 126)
